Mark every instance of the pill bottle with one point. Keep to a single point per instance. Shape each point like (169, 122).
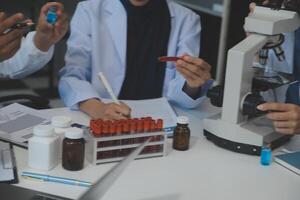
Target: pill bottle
(43, 147)
(51, 15)
(61, 124)
(73, 149)
(266, 155)
(181, 136)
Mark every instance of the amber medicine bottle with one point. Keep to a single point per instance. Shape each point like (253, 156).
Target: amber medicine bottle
(181, 136)
(73, 150)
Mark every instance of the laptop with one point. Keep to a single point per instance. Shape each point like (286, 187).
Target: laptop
(11, 192)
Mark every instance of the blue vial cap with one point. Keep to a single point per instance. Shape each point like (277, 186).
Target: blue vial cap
(266, 156)
(51, 15)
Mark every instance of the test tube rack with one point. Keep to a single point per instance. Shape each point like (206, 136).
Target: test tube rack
(111, 141)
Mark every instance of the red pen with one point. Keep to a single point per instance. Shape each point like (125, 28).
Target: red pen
(168, 59)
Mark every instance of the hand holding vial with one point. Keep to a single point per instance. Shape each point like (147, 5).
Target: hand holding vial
(48, 34)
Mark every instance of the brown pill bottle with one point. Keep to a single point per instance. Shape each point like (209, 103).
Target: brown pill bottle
(181, 136)
(73, 150)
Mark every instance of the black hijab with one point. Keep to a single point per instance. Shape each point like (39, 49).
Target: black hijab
(148, 35)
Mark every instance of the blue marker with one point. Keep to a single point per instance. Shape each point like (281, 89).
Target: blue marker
(51, 15)
(55, 179)
(266, 156)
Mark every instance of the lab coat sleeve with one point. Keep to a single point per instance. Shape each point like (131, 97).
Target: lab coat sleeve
(26, 61)
(189, 42)
(74, 85)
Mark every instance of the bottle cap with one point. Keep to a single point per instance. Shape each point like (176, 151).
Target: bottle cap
(43, 130)
(74, 133)
(61, 121)
(182, 120)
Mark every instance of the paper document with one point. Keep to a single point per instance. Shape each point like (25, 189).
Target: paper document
(17, 122)
(155, 108)
(7, 164)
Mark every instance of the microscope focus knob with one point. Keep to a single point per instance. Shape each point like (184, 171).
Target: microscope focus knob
(215, 94)
(250, 104)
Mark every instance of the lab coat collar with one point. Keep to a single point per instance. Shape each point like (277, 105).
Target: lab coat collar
(117, 24)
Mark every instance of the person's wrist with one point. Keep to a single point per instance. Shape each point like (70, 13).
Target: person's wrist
(41, 42)
(92, 107)
(192, 91)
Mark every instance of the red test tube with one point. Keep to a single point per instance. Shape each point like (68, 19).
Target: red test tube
(147, 124)
(160, 124)
(126, 130)
(140, 126)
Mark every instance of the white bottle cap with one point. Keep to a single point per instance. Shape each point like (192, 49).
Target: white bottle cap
(182, 120)
(61, 121)
(74, 133)
(43, 130)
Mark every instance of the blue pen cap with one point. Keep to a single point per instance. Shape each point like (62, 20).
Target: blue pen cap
(51, 15)
(266, 156)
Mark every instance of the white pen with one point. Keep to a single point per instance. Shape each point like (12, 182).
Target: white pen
(108, 88)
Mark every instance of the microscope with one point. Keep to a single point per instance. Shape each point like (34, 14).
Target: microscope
(240, 127)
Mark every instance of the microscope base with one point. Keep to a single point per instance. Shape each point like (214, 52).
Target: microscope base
(242, 138)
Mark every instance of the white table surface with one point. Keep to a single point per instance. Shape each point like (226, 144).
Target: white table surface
(204, 172)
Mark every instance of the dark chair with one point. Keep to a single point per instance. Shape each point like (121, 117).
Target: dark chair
(32, 101)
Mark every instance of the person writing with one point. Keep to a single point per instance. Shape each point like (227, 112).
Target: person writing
(123, 39)
(21, 56)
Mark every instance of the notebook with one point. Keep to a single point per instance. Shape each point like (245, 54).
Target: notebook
(290, 161)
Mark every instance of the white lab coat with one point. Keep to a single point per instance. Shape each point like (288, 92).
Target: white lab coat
(27, 60)
(98, 43)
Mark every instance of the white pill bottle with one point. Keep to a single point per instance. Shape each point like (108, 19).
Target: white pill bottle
(43, 148)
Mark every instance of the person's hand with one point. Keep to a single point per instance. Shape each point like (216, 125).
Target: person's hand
(286, 117)
(252, 5)
(110, 111)
(10, 43)
(48, 34)
(195, 71)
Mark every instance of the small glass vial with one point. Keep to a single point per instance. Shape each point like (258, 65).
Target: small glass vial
(266, 155)
(51, 15)
(43, 151)
(73, 150)
(181, 136)
(61, 124)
